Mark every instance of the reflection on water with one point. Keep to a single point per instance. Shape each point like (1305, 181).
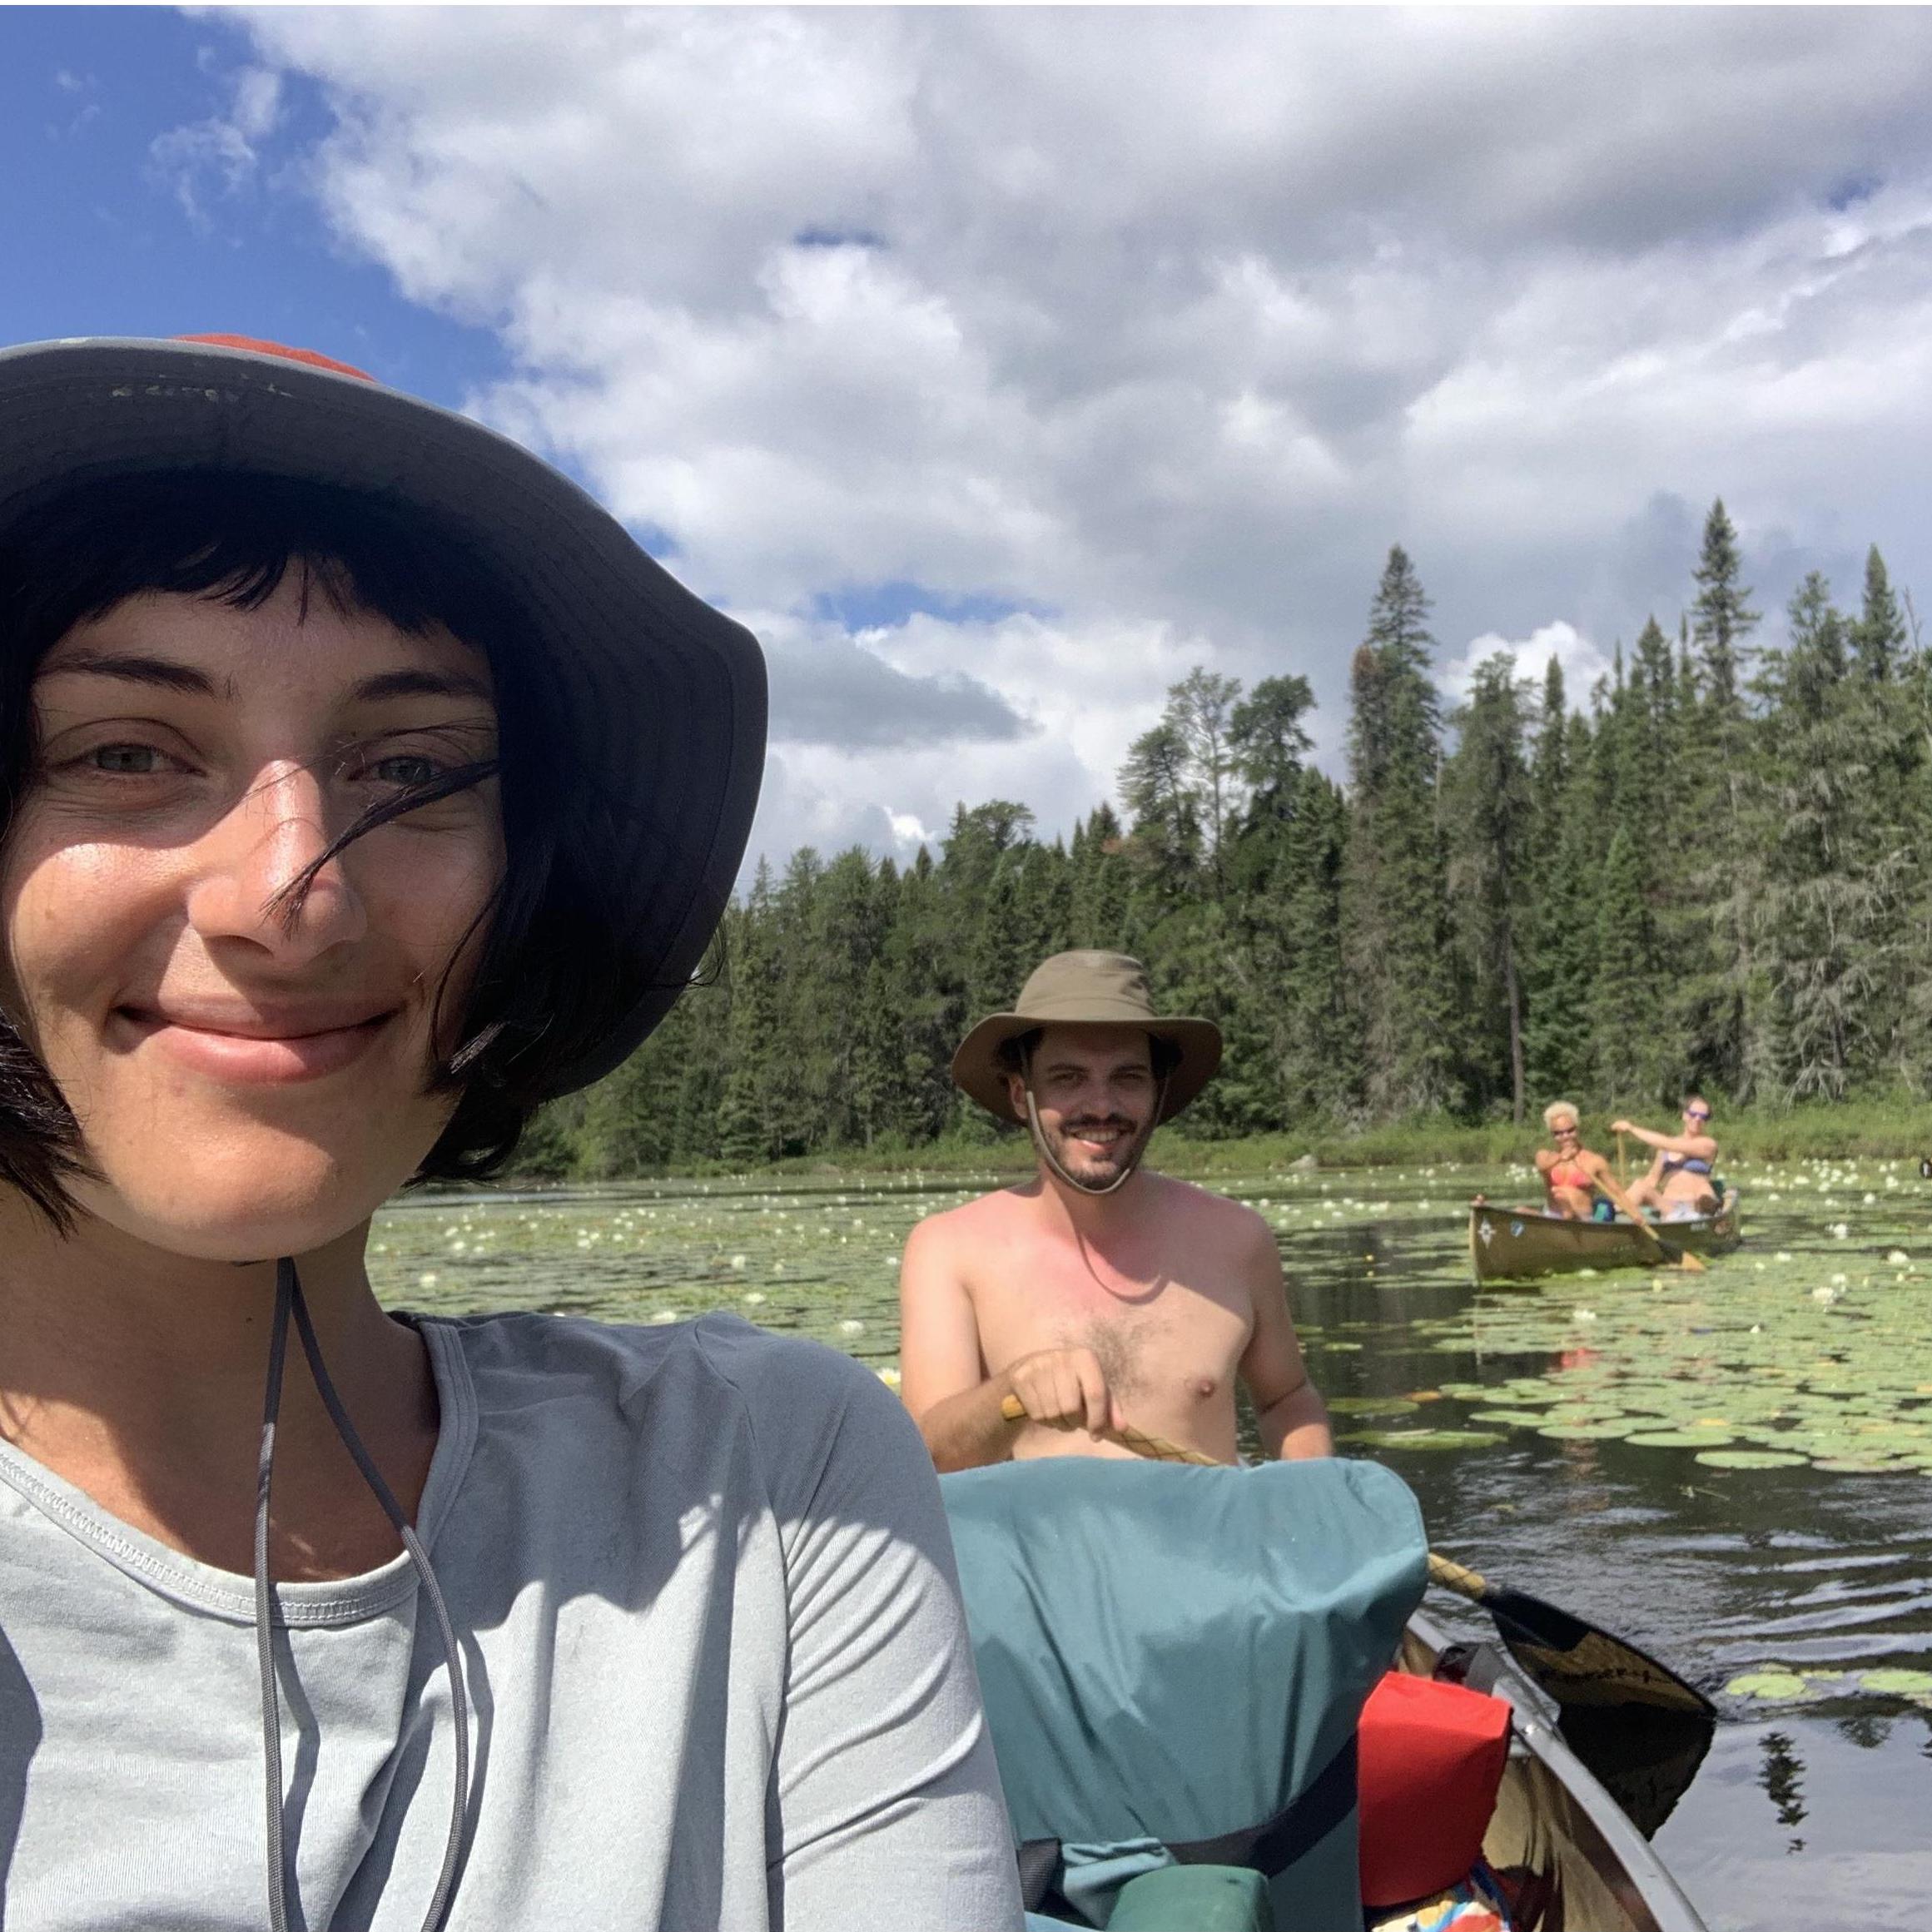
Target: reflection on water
(1812, 1582)
(1783, 1779)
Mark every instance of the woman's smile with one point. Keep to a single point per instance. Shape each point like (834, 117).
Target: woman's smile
(246, 1050)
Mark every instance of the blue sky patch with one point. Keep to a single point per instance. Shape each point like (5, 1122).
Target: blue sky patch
(838, 238)
(96, 239)
(866, 606)
(1853, 190)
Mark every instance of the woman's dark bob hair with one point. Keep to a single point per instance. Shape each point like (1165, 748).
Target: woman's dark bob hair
(555, 971)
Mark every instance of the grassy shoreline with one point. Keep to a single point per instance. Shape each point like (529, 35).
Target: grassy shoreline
(1881, 1129)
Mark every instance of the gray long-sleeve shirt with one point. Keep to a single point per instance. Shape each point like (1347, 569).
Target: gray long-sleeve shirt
(713, 1643)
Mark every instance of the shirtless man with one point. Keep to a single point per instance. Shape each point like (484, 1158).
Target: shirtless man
(1097, 1294)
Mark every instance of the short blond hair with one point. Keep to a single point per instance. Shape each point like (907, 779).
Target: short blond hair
(1556, 1107)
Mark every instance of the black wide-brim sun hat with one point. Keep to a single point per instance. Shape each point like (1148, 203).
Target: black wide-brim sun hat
(662, 697)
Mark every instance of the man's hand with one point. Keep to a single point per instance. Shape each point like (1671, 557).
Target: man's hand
(1064, 1388)
(1624, 1127)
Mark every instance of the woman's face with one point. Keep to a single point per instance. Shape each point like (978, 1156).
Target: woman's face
(247, 1084)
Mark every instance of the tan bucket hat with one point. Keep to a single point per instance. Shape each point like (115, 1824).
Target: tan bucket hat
(1086, 989)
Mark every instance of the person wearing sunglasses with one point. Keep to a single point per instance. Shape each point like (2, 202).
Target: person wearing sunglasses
(1679, 1184)
(1573, 1175)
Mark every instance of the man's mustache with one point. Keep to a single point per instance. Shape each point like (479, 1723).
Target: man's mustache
(1119, 1120)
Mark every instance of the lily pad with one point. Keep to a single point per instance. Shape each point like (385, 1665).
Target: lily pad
(1899, 1683)
(1676, 1439)
(1425, 1438)
(1770, 1686)
(1750, 1459)
(1371, 1405)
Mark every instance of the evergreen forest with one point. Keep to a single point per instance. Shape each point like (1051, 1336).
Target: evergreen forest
(1707, 871)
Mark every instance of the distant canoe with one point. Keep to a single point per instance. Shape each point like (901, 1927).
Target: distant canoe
(1519, 1243)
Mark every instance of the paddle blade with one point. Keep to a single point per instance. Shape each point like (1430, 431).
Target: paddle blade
(1646, 1758)
(1580, 1664)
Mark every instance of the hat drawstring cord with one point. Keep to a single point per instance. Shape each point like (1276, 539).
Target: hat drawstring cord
(288, 1301)
(1047, 1155)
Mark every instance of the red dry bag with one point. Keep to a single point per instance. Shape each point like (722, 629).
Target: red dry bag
(1431, 1758)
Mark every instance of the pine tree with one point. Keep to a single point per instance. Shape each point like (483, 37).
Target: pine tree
(1562, 912)
(1489, 805)
(1879, 637)
(1157, 787)
(1721, 618)
(1729, 1042)
(1395, 909)
(1200, 708)
(1099, 915)
(746, 1133)
(1824, 906)
(1269, 744)
(1622, 1000)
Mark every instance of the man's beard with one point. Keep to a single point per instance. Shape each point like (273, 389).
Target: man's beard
(1082, 1162)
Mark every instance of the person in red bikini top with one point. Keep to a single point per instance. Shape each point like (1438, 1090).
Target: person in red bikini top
(1573, 1175)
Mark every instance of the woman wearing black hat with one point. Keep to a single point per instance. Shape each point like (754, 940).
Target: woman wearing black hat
(364, 787)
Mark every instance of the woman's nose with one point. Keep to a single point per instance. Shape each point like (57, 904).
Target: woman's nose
(256, 876)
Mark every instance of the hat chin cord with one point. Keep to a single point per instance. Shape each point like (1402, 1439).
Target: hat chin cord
(1092, 1190)
(289, 1304)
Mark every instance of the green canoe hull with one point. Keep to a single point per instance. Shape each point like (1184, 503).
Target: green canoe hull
(1521, 1244)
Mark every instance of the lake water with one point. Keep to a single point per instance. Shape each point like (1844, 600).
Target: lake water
(1733, 1470)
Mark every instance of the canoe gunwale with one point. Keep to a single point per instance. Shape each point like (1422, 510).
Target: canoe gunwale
(1621, 1860)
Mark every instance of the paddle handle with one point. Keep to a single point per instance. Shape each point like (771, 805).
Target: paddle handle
(1154, 1448)
(1454, 1577)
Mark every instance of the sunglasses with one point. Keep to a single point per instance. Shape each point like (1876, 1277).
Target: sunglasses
(1697, 1113)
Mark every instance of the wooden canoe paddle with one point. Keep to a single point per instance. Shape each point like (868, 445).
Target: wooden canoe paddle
(1154, 1448)
(1576, 1663)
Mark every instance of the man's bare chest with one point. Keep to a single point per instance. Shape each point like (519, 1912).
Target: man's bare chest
(1148, 1336)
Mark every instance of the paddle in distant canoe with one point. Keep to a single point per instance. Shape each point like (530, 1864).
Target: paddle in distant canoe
(1519, 1243)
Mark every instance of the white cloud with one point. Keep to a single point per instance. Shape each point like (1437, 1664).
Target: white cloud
(1582, 662)
(1162, 323)
(220, 156)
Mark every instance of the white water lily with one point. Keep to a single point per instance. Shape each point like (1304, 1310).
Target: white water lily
(738, 1261)
(849, 1326)
(1584, 1315)
(1839, 1230)
(754, 1298)
(1898, 1259)
(425, 1281)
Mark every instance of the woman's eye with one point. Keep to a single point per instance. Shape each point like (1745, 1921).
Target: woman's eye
(126, 761)
(404, 770)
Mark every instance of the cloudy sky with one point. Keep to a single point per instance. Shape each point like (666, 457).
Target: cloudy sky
(997, 366)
